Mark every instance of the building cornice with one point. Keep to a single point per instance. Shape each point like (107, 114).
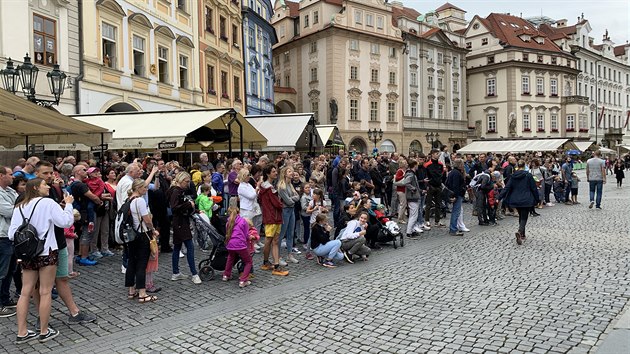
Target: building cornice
(521, 65)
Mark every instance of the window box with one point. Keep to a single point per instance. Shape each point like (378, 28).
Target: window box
(212, 92)
(540, 95)
(540, 130)
(570, 130)
(526, 94)
(554, 95)
(527, 130)
(554, 130)
(226, 96)
(491, 95)
(583, 130)
(491, 131)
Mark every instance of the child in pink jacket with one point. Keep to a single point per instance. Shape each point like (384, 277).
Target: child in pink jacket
(237, 243)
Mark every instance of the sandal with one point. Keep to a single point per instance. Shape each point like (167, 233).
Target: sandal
(148, 298)
(131, 296)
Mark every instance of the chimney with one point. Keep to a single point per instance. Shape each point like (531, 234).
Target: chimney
(397, 4)
(561, 23)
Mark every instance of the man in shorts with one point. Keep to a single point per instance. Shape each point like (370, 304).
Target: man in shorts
(82, 195)
(44, 170)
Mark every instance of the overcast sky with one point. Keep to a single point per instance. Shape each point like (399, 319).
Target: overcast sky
(613, 15)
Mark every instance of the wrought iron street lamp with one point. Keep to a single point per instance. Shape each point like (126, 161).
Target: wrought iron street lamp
(26, 75)
(375, 135)
(432, 138)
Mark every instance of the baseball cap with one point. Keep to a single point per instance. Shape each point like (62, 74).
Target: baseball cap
(92, 170)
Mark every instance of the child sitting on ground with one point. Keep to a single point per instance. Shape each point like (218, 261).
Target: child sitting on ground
(558, 189)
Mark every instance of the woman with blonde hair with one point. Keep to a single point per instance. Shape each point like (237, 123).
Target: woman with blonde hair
(43, 214)
(289, 196)
(182, 207)
(248, 196)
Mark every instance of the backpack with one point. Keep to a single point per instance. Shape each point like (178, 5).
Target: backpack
(123, 224)
(26, 241)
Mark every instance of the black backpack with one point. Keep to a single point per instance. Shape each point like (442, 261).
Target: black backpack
(26, 242)
(123, 225)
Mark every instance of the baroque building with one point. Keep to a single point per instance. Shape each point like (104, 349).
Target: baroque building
(341, 60)
(48, 31)
(139, 55)
(259, 37)
(604, 79)
(433, 75)
(522, 83)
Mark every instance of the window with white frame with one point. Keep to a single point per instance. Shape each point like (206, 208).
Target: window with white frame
(526, 122)
(373, 110)
(430, 110)
(525, 85)
(414, 108)
(554, 122)
(413, 79)
(379, 22)
(237, 89)
(253, 86)
(267, 88)
(265, 49)
(455, 63)
(492, 123)
(540, 86)
(540, 122)
(392, 78)
(313, 74)
(358, 17)
(440, 111)
(456, 112)
(108, 34)
(440, 83)
(313, 47)
(183, 71)
(139, 59)
(210, 80)
(252, 37)
(584, 122)
(224, 85)
(491, 87)
(315, 17)
(375, 48)
(430, 82)
(44, 40)
(354, 109)
(305, 21)
(553, 84)
(287, 80)
(369, 20)
(374, 76)
(354, 73)
(413, 51)
(354, 44)
(570, 122)
(391, 111)
(163, 64)
(440, 57)
(236, 36)
(181, 5)
(392, 52)
(455, 85)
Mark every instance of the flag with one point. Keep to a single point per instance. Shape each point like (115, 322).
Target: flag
(627, 118)
(601, 116)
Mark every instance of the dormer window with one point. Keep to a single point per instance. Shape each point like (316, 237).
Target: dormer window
(484, 41)
(539, 40)
(525, 37)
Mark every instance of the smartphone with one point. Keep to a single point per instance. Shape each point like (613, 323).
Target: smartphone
(65, 193)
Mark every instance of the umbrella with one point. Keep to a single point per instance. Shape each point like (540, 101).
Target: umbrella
(573, 152)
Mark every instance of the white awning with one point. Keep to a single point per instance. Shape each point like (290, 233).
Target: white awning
(583, 145)
(516, 146)
(23, 122)
(607, 151)
(285, 132)
(168, 130)
(51, 147)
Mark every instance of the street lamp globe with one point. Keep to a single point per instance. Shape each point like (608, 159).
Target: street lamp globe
(380, 133)
(10, 77)
(28, 73)
(57, 82)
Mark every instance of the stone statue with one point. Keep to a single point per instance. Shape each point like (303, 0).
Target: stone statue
(567, 89)
(512, 126)
(478, 128)
(333, 111)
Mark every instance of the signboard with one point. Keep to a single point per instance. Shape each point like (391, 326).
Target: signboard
(99, 147)
(207, 149)
(36, 149)
(167, 145)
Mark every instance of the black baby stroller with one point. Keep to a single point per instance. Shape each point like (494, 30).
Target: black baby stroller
(388, 231)
(209, 238)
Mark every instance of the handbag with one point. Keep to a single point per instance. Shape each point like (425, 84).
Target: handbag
(153, 246)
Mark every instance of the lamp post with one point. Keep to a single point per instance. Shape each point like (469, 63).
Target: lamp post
(432, 138)
(26, 75)
(375, 135)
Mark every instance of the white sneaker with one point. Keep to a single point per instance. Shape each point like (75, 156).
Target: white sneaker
(296, 251)
(464, 229)
(418, 229)
(256, 247)
(196, 279)
(179, 276)
(123, 269)
(181, 254)
(427, 226)
(292, 259)
(282, 263)
(550, 204)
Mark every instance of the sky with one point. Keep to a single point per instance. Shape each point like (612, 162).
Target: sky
(613, 15)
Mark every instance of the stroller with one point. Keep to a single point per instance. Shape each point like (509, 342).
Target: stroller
(209, 238)
(388, 231)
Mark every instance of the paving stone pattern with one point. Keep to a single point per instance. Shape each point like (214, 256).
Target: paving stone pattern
(480, 293)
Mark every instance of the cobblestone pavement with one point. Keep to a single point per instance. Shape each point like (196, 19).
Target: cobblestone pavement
(557, 293)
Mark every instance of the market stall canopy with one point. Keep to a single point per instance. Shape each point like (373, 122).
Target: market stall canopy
(286, 132)
(584, 145)
(329, 135)
(50, 147)
(22, 120)
(197, 129)
(516, 146)
(606, 151)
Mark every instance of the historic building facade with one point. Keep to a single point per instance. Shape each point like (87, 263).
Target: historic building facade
(433, 78)
(343, 63)
(521, 83)
(604, 79)
(259, 37)
(139, 56)
(48, 31)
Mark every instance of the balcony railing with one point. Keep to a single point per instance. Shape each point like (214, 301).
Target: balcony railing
(433, 123)
(575, 99)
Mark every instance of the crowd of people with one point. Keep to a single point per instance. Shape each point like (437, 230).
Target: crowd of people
(286, 201)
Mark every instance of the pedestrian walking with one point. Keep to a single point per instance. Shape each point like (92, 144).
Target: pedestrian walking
(457, 184)
(596, 177)
(619, 174)
(521, 193)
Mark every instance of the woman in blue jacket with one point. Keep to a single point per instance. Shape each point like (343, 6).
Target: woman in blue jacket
(521, 193)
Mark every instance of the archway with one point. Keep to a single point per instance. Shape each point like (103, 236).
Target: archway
(415, 146)
(456, 147)
(284, 107)
(437, 145)
(358, 144)
(388, 146)
(121, 107)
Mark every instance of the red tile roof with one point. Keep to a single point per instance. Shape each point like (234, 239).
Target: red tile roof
(620, 49)
(430, 33)
(448, 5)
(507, 29)
(294, 8)
(280, 89)
(407, 12)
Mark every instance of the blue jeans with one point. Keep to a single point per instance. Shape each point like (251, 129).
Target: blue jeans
(7, 267)
(567, 191)
(288, 227)
(190, 256)
(330, 250)
(596, 185)
(306, 220)
(457, 209)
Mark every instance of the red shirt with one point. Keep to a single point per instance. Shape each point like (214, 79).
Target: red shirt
(400, 174)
